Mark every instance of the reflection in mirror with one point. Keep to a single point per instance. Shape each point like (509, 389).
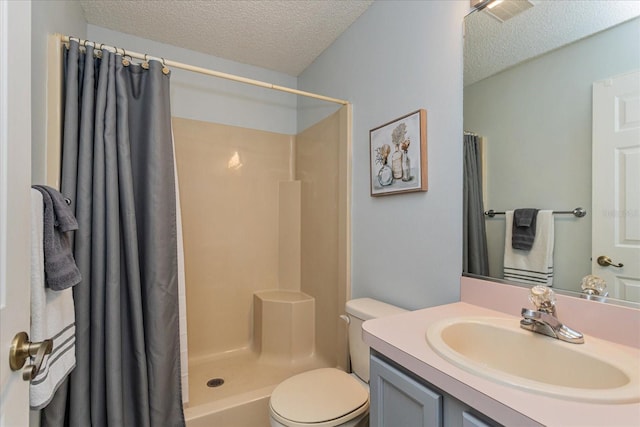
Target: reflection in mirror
(528, 96)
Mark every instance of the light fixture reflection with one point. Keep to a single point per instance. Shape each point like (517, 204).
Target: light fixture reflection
(234, 162)
(494, 3)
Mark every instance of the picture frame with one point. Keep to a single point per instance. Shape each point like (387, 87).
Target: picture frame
(398, 155)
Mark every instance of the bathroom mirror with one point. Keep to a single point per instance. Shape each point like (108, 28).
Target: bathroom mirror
(528, 94)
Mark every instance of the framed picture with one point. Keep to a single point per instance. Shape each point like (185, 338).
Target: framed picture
(398, 151)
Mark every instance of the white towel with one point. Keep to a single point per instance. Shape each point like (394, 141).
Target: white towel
(52, 316)
(534, 266)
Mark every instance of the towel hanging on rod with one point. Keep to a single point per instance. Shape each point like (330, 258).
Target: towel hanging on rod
(577, 212)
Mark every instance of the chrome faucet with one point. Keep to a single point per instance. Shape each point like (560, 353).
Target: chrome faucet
(543, 320)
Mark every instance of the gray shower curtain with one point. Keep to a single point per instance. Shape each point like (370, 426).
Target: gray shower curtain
(475, 255)
(118, 170)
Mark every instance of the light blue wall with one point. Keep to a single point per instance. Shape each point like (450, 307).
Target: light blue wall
(396, 58)
(537, 120)
(47, 17)
(200, 97)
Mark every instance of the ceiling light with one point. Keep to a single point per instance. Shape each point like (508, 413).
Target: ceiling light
(507, 9)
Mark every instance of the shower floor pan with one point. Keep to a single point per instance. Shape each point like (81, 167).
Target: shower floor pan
(244, 396)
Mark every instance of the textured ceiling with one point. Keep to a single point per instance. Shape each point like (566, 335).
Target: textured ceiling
(492, 46)
(287, 35)
(279, 35)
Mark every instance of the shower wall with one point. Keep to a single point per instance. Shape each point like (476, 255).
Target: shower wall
(262, 210)
(229, 178)
(321, 162)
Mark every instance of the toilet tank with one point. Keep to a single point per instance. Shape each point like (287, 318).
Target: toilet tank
(360, 310)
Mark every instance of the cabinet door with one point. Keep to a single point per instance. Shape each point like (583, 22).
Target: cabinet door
(399, 400)
(470, 420)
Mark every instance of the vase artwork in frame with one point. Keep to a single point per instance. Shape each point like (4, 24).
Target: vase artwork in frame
(398, 151)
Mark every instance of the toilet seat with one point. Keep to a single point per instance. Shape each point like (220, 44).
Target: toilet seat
(322, 398)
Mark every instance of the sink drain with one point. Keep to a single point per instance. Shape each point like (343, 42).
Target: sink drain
(215, 382)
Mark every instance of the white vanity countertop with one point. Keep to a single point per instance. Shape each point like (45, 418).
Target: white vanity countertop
(402, 339)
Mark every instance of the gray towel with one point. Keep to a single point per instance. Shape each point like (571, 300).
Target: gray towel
(524, 228)
(61, 271)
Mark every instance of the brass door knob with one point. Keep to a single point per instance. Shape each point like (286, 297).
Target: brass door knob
(605, 261)
(22, 349)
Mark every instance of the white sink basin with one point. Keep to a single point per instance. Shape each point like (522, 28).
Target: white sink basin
(499, 350)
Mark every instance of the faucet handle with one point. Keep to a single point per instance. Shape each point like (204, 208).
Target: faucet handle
(543, 298)
(593, 285)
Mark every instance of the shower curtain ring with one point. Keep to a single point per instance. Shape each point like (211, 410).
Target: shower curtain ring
(125, 61)
(145, 63)
(67, 44)
(98, 52)
(165, 70)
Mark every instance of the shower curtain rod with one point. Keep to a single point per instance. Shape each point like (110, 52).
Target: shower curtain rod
(200, 70)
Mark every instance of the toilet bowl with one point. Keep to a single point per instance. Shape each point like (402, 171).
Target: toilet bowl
(330, 397)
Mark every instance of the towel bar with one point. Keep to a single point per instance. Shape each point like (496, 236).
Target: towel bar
(577, 212)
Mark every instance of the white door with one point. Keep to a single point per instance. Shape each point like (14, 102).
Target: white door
(616, 184)
(15, 179)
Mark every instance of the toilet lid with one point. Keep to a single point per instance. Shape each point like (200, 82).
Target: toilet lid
(317, 396)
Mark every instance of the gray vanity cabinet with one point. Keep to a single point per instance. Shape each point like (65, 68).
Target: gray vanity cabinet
(401, 399)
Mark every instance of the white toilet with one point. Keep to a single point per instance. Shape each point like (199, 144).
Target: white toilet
(330, 397)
